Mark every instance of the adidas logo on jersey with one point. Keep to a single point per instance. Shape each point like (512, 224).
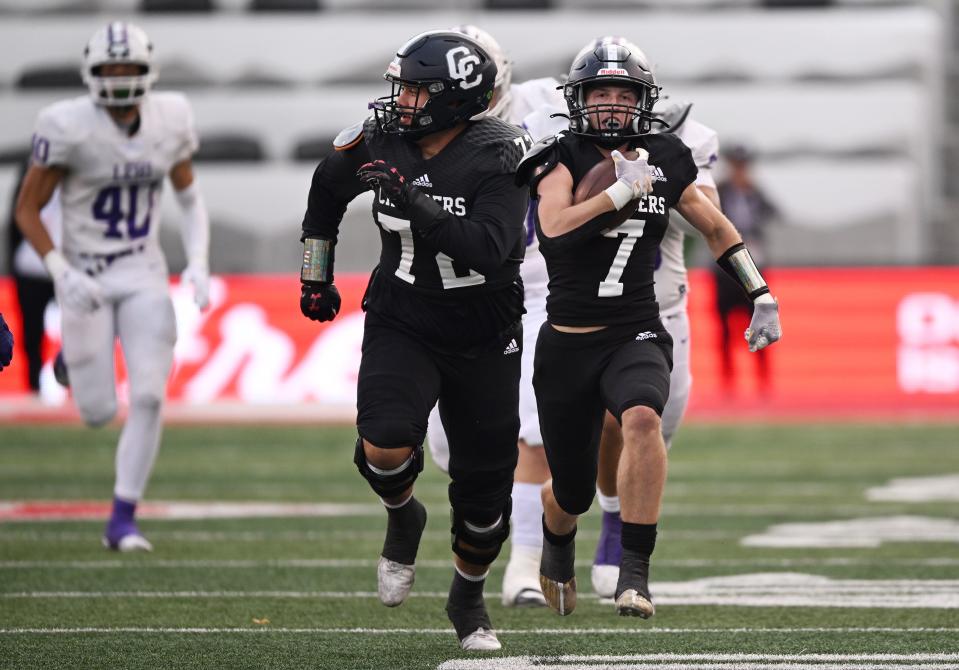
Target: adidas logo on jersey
(657, 173)
(646, 335)
(511, 348)
(423, 180)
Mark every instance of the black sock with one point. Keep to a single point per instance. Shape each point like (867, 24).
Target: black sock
(640, 538)
(633, 573)
(559, 555)
(465, 606)
(404, 528)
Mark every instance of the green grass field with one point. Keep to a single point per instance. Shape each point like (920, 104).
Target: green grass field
(299, 592)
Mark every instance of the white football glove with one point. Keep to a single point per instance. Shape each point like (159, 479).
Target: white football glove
(634, 173)
(198, 274)
(78, 291)
(764, 329)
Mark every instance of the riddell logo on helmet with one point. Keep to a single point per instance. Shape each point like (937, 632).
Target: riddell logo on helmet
(612, 70)
(393, 68)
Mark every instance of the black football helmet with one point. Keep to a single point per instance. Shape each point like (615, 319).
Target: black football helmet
(611, 61)
(456, 72)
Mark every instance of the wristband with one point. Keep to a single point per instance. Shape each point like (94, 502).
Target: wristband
(317, 260)
(620, 193)
(739, 264)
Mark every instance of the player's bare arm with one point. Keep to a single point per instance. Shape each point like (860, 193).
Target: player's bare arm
(718, 231)
(557, 213)
(38, 187)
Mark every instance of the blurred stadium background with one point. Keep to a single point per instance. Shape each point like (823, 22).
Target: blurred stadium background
(849, 105)
(844, 469)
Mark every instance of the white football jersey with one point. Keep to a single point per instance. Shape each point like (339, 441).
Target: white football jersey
(671, 279)
(533, 102)
(110, 195)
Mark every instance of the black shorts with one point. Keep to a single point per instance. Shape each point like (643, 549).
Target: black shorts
(577, 377)
(401, 379)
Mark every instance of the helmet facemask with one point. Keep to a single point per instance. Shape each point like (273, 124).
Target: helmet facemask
(599, 120)
(424, 119)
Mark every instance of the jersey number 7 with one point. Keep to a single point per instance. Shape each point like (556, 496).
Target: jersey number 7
(629, 233)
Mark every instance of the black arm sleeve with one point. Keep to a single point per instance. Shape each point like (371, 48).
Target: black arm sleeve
(484, 241)
(334, 185)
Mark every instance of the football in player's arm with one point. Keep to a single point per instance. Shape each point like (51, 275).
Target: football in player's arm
(443, 306)
(604, 346)
(109, 153)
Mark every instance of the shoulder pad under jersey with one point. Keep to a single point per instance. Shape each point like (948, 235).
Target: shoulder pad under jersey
(674, 114)
(538, 162)
(349, 137)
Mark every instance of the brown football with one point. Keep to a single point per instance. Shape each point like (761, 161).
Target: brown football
(600, 177)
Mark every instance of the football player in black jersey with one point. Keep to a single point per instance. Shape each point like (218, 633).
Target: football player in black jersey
(603, 346)
(443, 307)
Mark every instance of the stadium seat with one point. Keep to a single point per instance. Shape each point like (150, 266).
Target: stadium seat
(284, 6)
(229, 148)
(176, 6)
(312, 149)
(51, 76)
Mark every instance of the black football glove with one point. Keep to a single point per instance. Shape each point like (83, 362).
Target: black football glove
(6, 344)
(319, 301)
(388, 180)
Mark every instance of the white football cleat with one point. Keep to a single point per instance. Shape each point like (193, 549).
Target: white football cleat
(482, 639)
(604, 578)
(129, 543)
(521, 579)
(393, 581)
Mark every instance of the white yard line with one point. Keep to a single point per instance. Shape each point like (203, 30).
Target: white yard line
(449, 631)
(711, 662)
(771, 589)
(346, 563)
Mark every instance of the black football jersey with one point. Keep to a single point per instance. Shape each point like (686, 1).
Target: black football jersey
(458, 281)
(602, 276)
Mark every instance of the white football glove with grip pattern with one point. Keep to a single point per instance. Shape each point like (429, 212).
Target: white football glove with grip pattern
(764, 328)
(78, 291)
(633, 179)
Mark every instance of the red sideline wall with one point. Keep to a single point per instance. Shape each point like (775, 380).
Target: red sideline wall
(874, 342)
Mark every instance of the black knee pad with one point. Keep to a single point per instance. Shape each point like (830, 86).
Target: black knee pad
(388, 485)
(485, 536)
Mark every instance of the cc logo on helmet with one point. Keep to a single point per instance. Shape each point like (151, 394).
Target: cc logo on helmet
(462, 62)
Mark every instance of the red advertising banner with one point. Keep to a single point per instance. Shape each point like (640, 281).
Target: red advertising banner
(875, 342)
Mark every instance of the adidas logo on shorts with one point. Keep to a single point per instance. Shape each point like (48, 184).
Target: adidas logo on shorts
(646, 335)
(423, 180)
(511, 348)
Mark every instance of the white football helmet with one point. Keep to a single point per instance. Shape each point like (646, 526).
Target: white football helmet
(504, 68)
(119, 42)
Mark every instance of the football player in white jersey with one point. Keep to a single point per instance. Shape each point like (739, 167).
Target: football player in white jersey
(109, 153)
(533, 105)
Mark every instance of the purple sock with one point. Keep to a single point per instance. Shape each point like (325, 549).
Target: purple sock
(121, 521)
(609, 549)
